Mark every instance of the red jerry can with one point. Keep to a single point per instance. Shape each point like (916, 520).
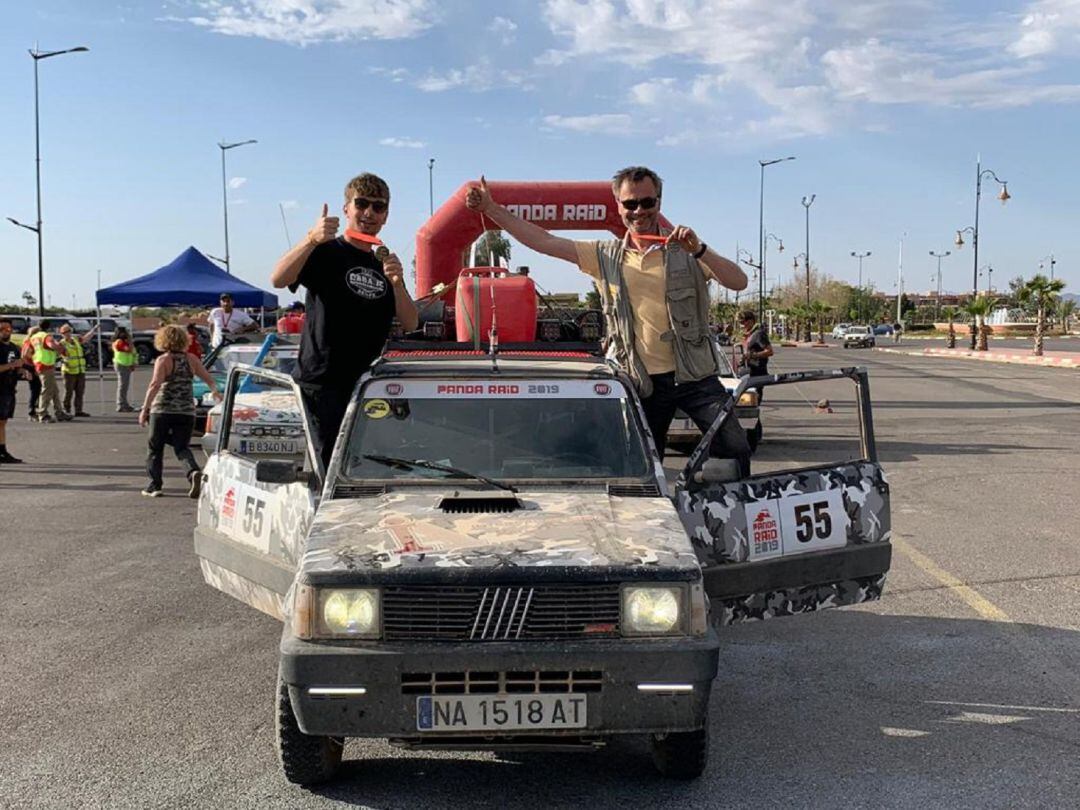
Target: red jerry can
(514, 304)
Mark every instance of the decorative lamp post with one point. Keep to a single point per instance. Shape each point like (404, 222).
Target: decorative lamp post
(37, 56)
(939, 257)
(761, 233)
(225, 194)
(807, 202)
(1004, 196)
(860, 257)
(431, 186)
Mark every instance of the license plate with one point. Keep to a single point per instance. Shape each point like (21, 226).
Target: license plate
(499, 712)
(270, 446)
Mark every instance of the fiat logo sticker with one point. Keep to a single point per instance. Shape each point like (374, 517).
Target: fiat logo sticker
(602, 389)
(394, 389)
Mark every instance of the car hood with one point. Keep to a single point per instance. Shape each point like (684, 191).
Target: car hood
(404, 531)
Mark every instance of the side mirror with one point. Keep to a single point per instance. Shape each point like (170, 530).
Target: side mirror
(716, 471)
(278, 471)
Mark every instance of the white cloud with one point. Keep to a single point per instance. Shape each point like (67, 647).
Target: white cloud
(402, 143)
(807, 67)
(608, 123)
(504, 29)
(237, 182)
(476, 78)
(305, 22)
(393, 74)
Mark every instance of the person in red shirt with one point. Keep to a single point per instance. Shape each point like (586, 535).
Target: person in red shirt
(292, 322)
(194, 347)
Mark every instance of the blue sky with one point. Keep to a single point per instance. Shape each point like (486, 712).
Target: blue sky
(885, 105)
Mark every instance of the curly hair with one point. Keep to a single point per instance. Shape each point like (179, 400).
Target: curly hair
(171, 338)
(367, 185)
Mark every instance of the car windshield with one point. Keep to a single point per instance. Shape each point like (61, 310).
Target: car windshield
(506, 429)
(283, 360)
(859, 330)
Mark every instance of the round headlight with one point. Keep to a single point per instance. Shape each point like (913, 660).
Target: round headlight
(651, 610)
(352, 613)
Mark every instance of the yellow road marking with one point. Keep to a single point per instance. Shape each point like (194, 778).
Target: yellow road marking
(975, 600)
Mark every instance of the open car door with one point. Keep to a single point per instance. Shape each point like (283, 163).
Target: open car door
(793, 540)
(259, 490)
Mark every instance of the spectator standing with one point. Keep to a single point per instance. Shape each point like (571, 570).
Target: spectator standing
(169, 408)
(194, 347)
(292, 322)
(124, 360)
(897, 331)
(47, 350)
(74, 366)
(11, 368)
(225, 320)
(33, 379)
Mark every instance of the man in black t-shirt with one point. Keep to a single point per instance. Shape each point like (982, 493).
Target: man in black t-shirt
(11, 371)
(352, 297)
(757, 348)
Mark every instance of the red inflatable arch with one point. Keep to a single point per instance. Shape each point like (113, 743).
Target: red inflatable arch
(558, 206)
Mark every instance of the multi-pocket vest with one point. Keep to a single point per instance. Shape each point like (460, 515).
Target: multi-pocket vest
(687, 303)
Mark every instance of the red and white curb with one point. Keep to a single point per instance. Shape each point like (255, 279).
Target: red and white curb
(993, 357)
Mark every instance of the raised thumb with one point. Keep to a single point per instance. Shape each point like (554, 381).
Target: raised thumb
(325, 209)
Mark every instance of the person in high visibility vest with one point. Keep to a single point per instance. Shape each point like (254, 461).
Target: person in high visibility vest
(74, 366)
(47, 350)
(124, 360)
(35, 378)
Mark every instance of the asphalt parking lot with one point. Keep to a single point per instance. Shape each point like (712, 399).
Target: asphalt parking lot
(131, 683)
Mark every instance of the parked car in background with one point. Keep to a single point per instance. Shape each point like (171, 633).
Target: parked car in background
(275, 352)
(859, 337)
(883, 329)
(839, 330)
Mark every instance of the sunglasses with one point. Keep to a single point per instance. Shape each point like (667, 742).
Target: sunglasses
(645, 203)
(363, 203)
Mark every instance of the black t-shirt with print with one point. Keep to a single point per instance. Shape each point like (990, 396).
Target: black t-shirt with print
(757, 341)
(350, 305)
(9, 353)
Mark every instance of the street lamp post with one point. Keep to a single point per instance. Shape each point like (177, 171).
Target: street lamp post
(431, 186)
(1004, 196)
(225, 193)
(37, 56)
(1053, 261)
(807, 202)
(761, 233)
(860, 257)
(937, 304)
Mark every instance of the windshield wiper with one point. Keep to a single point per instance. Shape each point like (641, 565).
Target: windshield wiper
(411, 463)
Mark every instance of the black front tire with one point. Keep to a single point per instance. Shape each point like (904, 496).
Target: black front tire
(753, 436)
(305, 759)
(681, 755)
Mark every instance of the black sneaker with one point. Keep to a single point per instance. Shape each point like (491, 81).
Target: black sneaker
(81, 413)
(61, 416)
(195, 480)
(7, 458)
(33, 416)
(45, 418)
(152, 491)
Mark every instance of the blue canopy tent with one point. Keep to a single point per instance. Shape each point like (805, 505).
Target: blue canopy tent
(190, 279)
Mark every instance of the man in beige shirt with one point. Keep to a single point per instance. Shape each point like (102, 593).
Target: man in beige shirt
(654, 341)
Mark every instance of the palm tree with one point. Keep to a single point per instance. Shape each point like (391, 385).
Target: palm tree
(492, 245)
(978, 309)
(1065, 311)
(951, 313)
(1041, 292)
(818, 311)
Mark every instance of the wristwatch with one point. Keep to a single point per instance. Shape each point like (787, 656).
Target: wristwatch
(700, 251)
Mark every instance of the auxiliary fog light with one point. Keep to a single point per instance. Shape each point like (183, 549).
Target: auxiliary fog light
(652, 610)
(349, 613)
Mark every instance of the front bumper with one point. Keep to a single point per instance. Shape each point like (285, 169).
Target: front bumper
(386, 710)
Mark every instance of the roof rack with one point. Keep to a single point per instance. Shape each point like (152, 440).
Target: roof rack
(397, 349)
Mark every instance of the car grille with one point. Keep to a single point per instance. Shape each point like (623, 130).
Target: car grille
(501, 683)
(505, 613)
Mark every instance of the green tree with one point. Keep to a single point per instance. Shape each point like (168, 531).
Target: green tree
(29, 298)
(492, 245)
(819, 311)
(950, 313)
(1065, 310)
(978, 309)
(592, 299)
(1040, 293)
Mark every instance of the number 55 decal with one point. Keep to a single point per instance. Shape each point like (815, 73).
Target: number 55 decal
(812, 521)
